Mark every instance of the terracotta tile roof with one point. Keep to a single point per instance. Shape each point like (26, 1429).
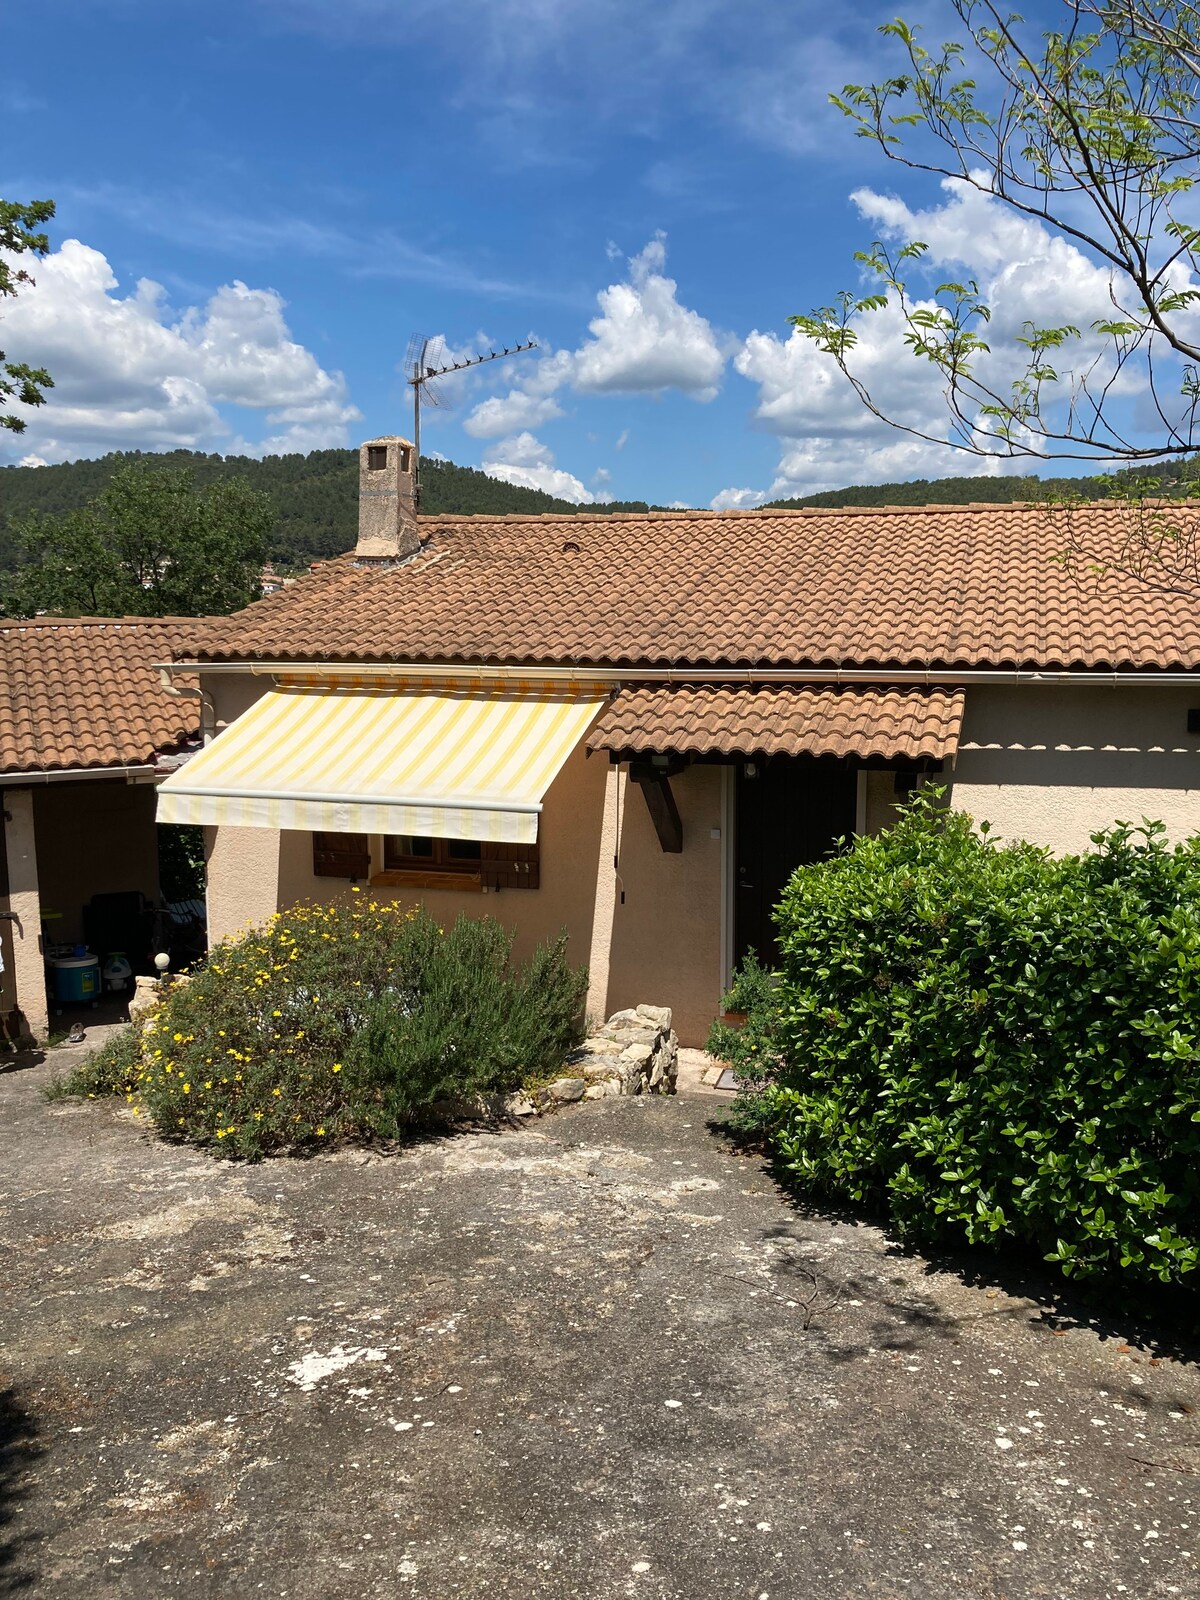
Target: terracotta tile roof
(84, 693)
(896, 724)
(938, 586)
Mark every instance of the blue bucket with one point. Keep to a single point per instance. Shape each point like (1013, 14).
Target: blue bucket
(76, 978)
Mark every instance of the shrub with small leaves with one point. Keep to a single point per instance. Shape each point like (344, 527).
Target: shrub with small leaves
(752, 1047)
(345, 1021)
(995, 1045)
(112, 1069)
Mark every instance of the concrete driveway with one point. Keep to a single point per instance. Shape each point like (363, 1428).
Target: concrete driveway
(601, 1356)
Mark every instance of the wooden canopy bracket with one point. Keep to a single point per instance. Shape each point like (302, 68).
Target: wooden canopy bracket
(660, 802)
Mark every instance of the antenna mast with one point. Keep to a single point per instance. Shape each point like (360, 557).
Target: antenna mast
(422, 383)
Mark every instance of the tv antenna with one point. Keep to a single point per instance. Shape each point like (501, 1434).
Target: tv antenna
(424, 383)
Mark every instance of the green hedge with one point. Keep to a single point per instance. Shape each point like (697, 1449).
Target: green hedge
(992, 1044)
(346, 1021)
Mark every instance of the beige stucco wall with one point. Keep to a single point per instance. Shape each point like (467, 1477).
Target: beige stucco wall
(666, 937)
(93, 838)
(1053, 764)
(26, 984)
(242, 873)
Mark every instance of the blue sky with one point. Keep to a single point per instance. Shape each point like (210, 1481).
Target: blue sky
(259, 202)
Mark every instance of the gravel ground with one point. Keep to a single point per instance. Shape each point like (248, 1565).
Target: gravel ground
(598, 1356)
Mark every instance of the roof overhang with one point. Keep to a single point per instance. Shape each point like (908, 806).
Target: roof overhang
(902, 724)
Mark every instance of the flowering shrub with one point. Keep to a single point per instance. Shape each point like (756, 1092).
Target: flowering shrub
(992, 1044)
(340, 1022)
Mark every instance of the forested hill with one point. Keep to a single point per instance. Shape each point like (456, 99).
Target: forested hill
(317, 494)
(1172, 476)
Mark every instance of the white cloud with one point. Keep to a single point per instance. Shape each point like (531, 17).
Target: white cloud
(502, 413)
(130, 374)
(644, 341)
(1025, 273)
(737, 499)
(32, 461)
(530, 404)
(527, 462)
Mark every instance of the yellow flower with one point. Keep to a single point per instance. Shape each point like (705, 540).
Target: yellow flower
(320, 1130)
(187, 1088)
(337, 1066)
(277, 1092)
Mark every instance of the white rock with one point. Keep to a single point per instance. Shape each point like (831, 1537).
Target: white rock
(659, 1015)
(567, 1089)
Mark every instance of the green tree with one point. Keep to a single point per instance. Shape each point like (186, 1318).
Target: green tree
(18, 237)
(150, 545)
(1093, 130)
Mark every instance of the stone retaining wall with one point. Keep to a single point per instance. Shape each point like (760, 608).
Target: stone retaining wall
(635, 1052)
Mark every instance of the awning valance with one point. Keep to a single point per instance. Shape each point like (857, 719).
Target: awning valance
(449, 765)
(895, 724)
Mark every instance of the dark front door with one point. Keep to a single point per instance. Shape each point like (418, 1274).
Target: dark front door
(789, 812)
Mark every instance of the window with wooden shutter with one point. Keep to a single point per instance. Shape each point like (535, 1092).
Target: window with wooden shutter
(341, 855)
(419, 863)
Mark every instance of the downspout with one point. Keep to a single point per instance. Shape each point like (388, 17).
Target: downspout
(208, 711)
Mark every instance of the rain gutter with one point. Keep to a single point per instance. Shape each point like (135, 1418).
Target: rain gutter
(615, 676)
(77, 775)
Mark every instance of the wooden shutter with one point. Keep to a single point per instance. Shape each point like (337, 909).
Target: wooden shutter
(510, 866)
(341, 855)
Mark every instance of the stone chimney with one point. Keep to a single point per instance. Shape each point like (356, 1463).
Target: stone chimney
(387, 511)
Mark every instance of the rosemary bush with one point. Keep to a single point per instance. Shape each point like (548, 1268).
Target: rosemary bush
(344, 1021)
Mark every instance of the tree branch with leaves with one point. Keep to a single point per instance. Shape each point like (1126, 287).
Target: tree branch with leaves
(19, 236)
(1093, 131)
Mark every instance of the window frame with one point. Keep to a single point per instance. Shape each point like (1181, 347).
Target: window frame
(438, 869)
(497, 866)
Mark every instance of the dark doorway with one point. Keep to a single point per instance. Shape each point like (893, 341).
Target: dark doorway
(789, 811)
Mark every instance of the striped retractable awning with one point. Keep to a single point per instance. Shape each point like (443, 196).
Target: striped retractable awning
(448, 764)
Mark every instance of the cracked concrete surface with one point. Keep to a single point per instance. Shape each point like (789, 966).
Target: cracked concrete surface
(600, 1356)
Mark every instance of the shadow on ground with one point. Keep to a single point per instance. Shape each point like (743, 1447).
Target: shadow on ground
(1162, 1322)
(18, 1449)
